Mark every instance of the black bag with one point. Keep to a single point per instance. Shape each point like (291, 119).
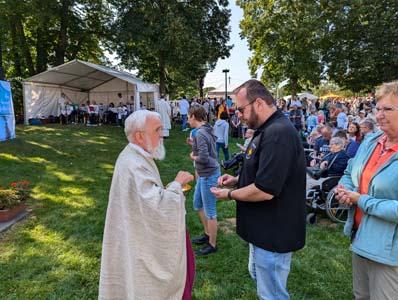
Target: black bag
(316, 172)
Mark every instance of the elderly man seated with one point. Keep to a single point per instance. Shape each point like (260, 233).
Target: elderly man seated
(145, 245)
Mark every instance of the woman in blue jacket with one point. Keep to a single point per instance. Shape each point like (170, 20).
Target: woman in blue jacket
(370, 187)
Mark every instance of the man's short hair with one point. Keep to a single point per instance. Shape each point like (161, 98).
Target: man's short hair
(137, 121)
(198, 112)
(224, 115)
(255, 89)
(341, 134)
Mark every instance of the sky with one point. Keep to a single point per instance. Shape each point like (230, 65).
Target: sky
(237, 62)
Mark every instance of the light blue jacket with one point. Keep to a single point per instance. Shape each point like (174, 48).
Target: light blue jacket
(221, 128)
(377, 235)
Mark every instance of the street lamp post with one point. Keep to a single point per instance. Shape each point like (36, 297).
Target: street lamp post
(226, 90)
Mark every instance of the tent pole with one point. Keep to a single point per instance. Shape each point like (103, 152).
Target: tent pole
(24, 105)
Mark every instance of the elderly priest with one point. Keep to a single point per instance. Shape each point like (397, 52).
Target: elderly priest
(144, 251)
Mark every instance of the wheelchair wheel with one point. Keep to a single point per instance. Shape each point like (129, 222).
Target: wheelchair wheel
(311, 218)
(336, 211)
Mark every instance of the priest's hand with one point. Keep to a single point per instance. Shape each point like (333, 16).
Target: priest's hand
(183, 177)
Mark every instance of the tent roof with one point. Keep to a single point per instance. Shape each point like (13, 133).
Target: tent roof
(307, 95)
(221, 87)
(86, 76)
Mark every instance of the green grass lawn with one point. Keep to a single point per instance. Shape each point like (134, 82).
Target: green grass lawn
(55, 253)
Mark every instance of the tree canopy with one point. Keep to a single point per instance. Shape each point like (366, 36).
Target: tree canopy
(36, 34)
(171, 42)
(352, 43)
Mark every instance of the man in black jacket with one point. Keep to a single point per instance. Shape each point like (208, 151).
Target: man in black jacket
(270, 191)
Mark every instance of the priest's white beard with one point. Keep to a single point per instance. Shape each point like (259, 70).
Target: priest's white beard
(159, 152)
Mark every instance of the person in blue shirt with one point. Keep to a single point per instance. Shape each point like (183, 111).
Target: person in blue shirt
(312, 121)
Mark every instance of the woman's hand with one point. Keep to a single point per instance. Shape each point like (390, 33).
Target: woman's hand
(345, 196)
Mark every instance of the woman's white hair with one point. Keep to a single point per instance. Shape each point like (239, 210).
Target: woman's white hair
(137, 122)
(337, 141)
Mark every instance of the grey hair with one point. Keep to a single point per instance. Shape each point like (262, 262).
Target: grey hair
(337, 141)
(387, 89)
(137, 121)
(369, 123)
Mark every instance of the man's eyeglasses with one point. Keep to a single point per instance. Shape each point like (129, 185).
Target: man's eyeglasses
(386, 109)
(241, 109)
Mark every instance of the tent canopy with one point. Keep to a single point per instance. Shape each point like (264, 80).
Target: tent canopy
(85, 76)
(307, 95)
(81, 81)
(330, 95)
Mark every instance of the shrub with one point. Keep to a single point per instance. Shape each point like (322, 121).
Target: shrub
(9, 198)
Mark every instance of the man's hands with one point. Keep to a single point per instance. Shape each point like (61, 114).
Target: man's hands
(219, 193)
(183, 177)
(345, 196)
(227, 180)
(192, 156)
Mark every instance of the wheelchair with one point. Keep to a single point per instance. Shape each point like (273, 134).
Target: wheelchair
(322, 198)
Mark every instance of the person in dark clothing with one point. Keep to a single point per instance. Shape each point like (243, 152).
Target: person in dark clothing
(336, 161)
(270, 193)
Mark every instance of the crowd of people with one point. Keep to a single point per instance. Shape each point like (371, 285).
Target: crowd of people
(92, 114)
(154, 258)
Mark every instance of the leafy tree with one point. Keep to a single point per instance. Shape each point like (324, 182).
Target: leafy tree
(284, 37)
(171, 42)
(360, 46)
(36, 34)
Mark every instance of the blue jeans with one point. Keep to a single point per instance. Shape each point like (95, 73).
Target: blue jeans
(203, 198)
(184, 119)
(225, 151)
(270, 271)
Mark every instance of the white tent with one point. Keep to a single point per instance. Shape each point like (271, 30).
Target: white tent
(307, 95)
(81, 81)
(219, 91)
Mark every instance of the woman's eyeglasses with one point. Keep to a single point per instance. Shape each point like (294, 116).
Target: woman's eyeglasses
(386, 109)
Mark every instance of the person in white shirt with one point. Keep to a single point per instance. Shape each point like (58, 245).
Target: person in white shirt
(164, 110)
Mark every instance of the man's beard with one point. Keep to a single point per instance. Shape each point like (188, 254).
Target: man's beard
(252, 122)
(159, 152)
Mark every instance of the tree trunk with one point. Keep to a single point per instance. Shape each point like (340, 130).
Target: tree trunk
(15, 50)
(201, 84)
(24, 45)
(1, 59)
(162, 75)
(293, 84)
(41, 47)
(63, 31)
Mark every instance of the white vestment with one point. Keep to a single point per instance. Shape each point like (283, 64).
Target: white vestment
(144, 245)
(164, 110)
